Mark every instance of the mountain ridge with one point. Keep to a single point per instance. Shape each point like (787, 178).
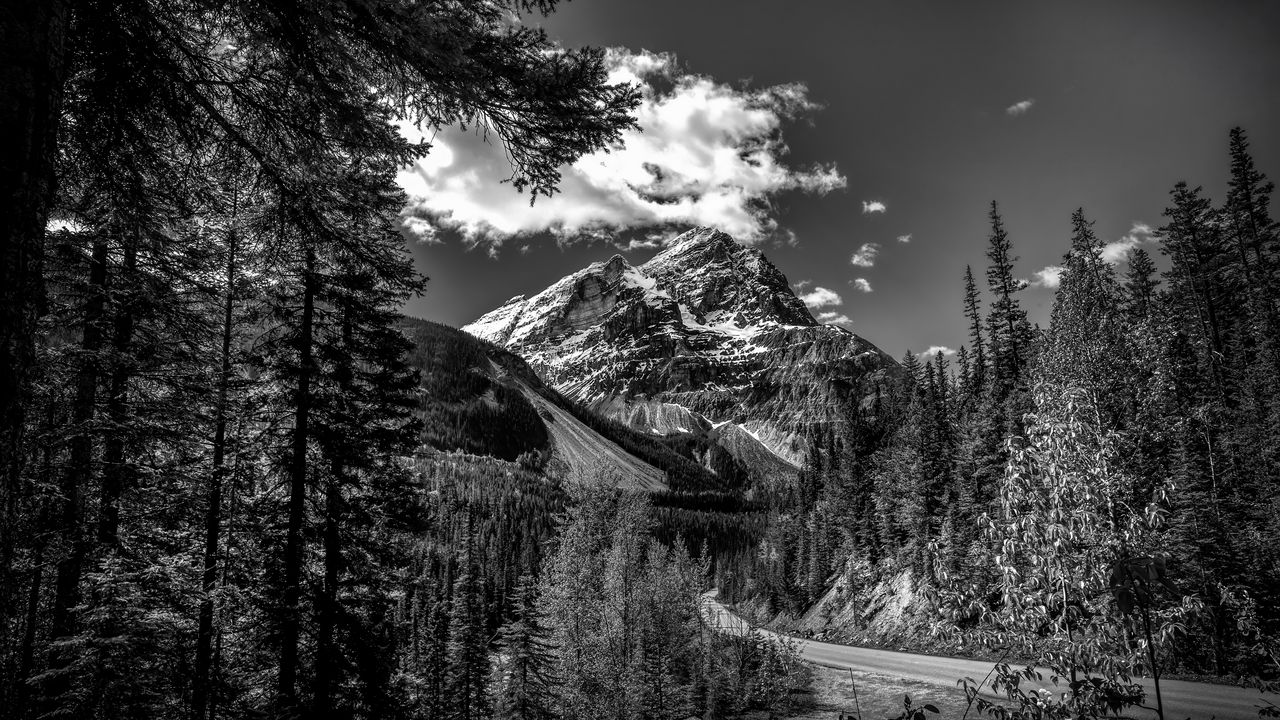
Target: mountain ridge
(707, 328)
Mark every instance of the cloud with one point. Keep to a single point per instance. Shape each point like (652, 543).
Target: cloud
(821, 297)
(904, 238)
(935, 349)
(866, 255)
(1050, 277)
(873, 206)
(834, 318)
(861, 285)
(706, 153)
(1021, 107)
(1114, 252)
(801, 284)
(1117, 251)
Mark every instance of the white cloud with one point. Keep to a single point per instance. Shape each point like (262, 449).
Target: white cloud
(861, 285)
(873, 206)
(820, 297)
(1117, 251)
(424, 231)
(1020, 107)
(935, 349)
(834, 317)
(801, 284)
(1049, 277)
(866, 255)
(1114, 252)
(706, 153)
(904, 238)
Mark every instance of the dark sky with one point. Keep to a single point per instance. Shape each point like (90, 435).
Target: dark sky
(1128, 98)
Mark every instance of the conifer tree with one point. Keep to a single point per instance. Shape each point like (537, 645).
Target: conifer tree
(526, 687)
(1140, 284)
(977, 380)
(469, 667)
(1008, 331)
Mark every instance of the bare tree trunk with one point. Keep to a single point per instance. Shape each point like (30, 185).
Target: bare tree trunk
(32, 74)
(201, 689)
(290, 627)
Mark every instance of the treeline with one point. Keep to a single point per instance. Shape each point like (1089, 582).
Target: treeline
(528, 601)
(206, 503)
(461, 406)
(1139, 430)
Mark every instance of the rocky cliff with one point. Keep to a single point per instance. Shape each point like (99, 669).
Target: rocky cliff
(708, 332)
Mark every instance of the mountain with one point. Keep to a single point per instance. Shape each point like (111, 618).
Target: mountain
(706, 339)
(483, 401)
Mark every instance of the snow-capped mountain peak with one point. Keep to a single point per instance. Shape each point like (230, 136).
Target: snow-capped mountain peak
(708, 327)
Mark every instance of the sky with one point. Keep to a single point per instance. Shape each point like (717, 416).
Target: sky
(859, 146)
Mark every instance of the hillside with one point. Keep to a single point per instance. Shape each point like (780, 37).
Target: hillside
(480, 399)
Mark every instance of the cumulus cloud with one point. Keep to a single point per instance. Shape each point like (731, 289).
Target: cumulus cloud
(1117, 251)
(861, 285)
(1114, 252)
(820, 297)
(904, 238)
(834, 318)
(935, 349)
(1049, 277)
(866, 255)
(870, 207)
(706, 153)
(1021, 107)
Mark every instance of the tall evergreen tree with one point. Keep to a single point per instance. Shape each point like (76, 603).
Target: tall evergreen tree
(977, 380)
(468, 648)
(526, 686)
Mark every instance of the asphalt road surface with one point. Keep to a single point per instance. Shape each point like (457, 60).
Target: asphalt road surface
(1198, 701)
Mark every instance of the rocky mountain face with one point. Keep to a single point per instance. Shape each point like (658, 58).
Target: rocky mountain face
(705, 334)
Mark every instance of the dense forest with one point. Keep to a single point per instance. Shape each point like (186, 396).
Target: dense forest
(1097, 496)
(236, 482)
(226, 490)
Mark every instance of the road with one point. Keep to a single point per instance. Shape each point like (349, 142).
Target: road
(1199, 701)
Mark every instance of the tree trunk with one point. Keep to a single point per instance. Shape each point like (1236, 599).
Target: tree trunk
(289, 631)
(201, 689)
(113, 454)
(326, 649)
(32, 74)
(79, 472)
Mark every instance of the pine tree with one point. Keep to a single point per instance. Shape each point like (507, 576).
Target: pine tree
(1140, 284)
(526, 687)
(1008, 331)
(977, 380)
(468, 678)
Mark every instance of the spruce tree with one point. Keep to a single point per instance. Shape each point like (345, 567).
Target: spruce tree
(977, 379)
(526, 686)
(468, 677)
(1140, 284)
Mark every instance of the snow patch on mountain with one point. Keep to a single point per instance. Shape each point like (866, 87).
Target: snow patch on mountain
(707, 326)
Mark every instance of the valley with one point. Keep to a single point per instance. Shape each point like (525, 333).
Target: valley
(532, 360)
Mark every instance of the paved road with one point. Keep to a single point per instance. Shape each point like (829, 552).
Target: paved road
(1199, 701)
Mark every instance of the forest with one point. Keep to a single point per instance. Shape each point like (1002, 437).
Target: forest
(236, 482)
(220, 496)
(1097, 497)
